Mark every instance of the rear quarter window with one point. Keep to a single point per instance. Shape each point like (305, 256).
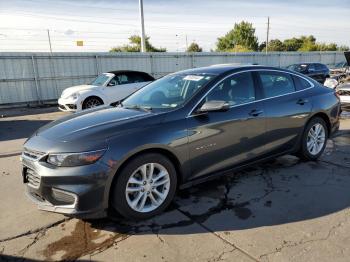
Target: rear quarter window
(301, 83)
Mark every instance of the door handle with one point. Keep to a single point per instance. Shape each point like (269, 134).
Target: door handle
(302, 101)
(255, 112)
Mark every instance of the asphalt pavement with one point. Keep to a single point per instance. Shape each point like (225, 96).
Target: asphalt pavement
(283, 210)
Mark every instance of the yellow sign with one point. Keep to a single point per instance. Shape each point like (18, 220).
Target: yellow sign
(80, 43)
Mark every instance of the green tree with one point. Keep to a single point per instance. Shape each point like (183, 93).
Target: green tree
(242, 34)
(293, 44)
(135, 46)
(327, 47)
(262, 46)
(309, 44)
(194, 47)
(343, 48)
(276, 45)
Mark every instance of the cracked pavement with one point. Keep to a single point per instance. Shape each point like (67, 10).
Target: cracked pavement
(283, 210)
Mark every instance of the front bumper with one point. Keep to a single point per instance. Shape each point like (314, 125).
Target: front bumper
(70, 105)
(77, 191)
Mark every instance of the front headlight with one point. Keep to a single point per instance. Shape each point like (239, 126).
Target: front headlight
(75, 159)
(74, 96)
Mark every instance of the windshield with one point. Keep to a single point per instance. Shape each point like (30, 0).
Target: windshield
(340, 65)
(100, 80)
(168, 92)
(298, 67)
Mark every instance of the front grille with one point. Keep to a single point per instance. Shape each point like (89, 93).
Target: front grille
(33, 155)
(32, 178)
(72, 106)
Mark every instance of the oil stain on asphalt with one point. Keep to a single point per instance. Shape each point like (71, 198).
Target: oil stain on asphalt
(84, 239)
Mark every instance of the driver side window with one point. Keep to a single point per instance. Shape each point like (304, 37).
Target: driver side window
(119, 80)
(235, 90)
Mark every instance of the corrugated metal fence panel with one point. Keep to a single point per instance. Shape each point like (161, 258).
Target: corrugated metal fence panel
(31, 77)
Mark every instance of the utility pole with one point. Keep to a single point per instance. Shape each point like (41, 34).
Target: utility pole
(186, 43)
(48, 36)
(267, 33)
(143, 40)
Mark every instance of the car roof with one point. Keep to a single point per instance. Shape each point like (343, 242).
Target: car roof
(308, 63)
(126, 71)
(226, 68)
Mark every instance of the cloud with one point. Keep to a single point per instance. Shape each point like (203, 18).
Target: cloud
(69, 32)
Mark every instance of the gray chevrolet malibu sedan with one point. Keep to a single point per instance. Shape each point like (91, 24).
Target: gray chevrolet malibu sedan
(182, 129)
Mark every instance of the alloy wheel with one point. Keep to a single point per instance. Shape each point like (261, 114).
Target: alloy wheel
(147, 187)
(316, 139)
(92, 102)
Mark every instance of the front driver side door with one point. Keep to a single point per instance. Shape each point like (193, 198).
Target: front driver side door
(218, 140)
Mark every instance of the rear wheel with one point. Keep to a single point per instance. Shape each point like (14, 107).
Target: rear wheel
(314, 139)
(145, 187)
(92, 102)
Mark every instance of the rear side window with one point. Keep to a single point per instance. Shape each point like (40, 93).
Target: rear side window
(301, 83)
(276, 83)
(312, 67)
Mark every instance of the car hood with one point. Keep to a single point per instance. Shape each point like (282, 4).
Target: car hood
(74, 89)
(94, 124)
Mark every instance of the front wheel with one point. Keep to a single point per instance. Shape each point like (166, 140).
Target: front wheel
(92, 102)
(314, 139)
(144, 187)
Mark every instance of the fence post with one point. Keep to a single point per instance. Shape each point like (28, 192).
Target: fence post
(36, 80)
(96, 65)
(151, 63)
(279, 59)
(192, 60)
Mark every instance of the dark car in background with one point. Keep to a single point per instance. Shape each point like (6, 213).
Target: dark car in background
(182, 129)
(319, 72)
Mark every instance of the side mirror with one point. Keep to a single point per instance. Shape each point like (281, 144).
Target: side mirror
(111, 84)
(214, 106)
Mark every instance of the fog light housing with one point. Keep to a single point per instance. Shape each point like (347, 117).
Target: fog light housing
(62, 197)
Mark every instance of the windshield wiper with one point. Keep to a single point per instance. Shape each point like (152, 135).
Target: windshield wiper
(137, 107)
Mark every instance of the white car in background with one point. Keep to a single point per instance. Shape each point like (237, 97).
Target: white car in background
(105, 89)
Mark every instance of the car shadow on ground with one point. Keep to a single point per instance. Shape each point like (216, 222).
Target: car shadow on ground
(281, 191)
(17, 129)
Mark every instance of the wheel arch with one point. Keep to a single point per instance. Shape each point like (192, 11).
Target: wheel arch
(325, 117)
(92, 96)
(160, 150)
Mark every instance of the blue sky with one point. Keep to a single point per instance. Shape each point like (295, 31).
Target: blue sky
(105, 23)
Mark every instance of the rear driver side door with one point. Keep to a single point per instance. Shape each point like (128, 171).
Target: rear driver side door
(287, 107)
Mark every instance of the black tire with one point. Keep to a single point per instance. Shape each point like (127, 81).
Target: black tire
(118, 197)
(304, 153)
(92, 100)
